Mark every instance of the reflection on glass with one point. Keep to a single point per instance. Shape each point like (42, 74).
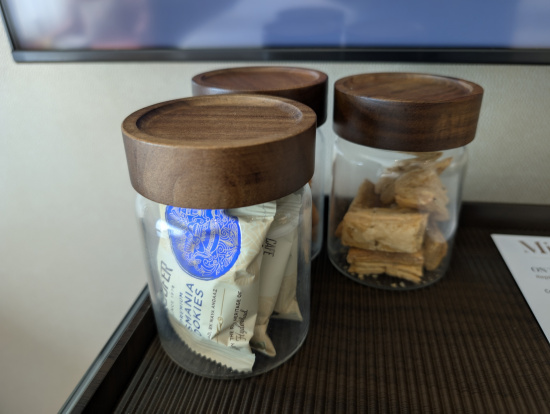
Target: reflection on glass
(149, 24)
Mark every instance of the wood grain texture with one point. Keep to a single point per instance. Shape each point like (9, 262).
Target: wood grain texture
(220, 151)
(307, 86)
(406, 111)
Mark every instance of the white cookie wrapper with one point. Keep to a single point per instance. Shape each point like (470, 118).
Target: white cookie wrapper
(210, 262)
(276, 253)
(287, 306)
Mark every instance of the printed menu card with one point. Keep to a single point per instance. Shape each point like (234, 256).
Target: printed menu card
(528, 258)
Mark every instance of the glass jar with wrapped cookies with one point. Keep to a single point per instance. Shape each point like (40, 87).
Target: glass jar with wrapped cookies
(225, 208)
(304, 85)
(398, 170)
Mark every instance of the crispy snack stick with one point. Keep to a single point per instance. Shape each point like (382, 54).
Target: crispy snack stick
(403, 265)
(422, 190)
(423, 161)
(385, 229)
(442, 165)
(385, 186)
(365, 198)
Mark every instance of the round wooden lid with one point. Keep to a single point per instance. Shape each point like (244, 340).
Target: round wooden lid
(307, 86)
(223, 151)
(406, 111)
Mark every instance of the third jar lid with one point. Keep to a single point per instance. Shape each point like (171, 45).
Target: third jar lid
(220, 151)
(406, 111)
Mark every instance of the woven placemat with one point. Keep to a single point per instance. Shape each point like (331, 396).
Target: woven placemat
(468, 343)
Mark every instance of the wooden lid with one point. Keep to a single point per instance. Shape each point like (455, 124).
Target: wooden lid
(307, 86)
(406, 111)
(220, 151)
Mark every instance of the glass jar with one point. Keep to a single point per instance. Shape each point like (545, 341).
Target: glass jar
(398, 170)
(307, 86)
(225, 207)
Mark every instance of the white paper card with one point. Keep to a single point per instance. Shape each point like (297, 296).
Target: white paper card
(528, 258)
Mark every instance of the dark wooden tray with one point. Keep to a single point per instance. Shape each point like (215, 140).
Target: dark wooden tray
(468, 343)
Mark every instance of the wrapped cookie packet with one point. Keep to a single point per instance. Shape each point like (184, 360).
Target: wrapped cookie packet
(225, 208)
(399, 165)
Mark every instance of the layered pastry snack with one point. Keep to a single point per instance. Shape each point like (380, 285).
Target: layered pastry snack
(392, 226)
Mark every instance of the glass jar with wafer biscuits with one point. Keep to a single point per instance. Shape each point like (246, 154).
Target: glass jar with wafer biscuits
(398, 171)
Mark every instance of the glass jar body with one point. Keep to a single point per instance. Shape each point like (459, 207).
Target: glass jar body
(318, 195)
(230, 288)
(393, 215)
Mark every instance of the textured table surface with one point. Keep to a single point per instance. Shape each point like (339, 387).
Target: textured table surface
(468, 343)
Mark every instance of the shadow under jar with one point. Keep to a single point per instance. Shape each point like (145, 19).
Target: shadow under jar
(225, 208)
(307, 86)
(398, 170)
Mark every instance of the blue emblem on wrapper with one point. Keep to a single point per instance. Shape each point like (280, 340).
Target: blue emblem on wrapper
(206, 243)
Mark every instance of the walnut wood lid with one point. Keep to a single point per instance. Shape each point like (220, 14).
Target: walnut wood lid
(307, 86)
(406, 111)
(220, 151)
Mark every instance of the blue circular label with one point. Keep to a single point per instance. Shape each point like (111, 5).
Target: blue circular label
(206, 243)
